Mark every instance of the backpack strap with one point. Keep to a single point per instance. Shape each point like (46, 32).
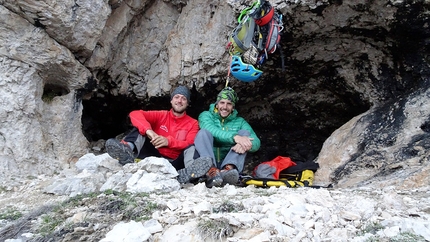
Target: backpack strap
(301, 166)
(281, 52)
(267, 182)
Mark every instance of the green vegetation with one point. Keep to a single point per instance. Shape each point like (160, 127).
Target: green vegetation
(47, 97)
(79, 200)
(3, 189)
(49, 223)
(110, 192)
(123, 205)
(373, 228)
(132, 206)
(402, 237)
(228, 207)
(10, 214)
(264, 192)
(214, 229)
(408, 237)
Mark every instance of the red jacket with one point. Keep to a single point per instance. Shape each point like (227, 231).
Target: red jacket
(180, 131)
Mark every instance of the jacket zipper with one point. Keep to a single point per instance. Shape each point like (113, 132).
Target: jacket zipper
(218, 150)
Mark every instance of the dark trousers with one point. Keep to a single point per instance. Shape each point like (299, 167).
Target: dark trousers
(145, 148)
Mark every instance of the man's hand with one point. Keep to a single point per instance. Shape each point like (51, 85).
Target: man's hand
(238, 149)
(160, 141)
(244, 141)
(157, 140)
(151, 134)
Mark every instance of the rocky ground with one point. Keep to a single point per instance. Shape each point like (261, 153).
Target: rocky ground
(196, 213)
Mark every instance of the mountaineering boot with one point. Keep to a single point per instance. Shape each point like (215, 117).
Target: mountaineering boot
(213, 178)
(229, 175)
(196, 169)
(120, 151)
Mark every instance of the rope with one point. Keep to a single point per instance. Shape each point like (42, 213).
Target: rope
(228, 73)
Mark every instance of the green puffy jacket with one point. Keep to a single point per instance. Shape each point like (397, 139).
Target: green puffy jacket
(223, 130)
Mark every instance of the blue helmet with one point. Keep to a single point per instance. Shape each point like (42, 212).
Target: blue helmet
(242, 71)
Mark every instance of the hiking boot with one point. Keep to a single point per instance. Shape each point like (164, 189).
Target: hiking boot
(229, 175)
(120, 151)
(213, 178)
(196, 169)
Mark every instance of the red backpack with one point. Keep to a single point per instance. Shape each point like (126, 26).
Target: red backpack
(272, 169)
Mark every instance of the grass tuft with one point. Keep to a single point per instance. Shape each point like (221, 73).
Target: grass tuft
(10, 214)
(49, 222)
(373, 228)
(214, 229)
(228, 207)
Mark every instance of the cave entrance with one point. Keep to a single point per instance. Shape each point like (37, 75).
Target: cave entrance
(51, 90)
(106, 116)
(302, 119)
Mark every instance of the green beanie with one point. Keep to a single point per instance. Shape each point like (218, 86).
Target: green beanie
(229, 94)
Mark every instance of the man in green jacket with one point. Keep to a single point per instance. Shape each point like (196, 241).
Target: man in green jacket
(226, 138)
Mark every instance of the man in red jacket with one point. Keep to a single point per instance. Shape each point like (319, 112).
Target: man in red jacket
(165, 134)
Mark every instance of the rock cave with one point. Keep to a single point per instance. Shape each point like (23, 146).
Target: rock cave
(326, 82)
(296, 127)
(347, 86)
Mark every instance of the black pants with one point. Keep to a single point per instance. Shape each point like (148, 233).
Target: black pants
(148, 149)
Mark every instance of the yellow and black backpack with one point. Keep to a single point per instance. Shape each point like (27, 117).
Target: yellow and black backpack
(282, 171)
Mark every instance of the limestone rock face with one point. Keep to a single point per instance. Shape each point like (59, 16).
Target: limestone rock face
(77, 25)
(348, 86)
(391, 141)
(149, 48)
(40, 105)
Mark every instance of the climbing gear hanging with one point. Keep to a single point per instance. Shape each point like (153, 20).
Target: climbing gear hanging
(257, 35)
